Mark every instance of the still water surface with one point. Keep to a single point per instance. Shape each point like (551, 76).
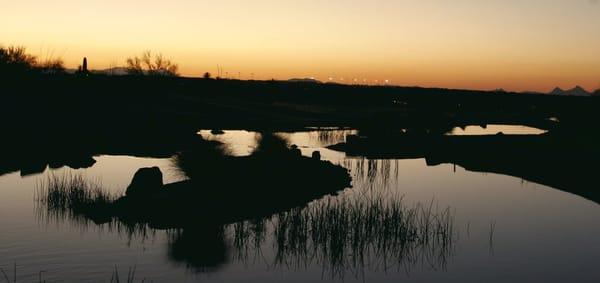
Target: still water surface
(505, 229)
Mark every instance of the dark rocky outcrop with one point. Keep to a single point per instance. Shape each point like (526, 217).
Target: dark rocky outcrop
(316, 155)
(146, 182)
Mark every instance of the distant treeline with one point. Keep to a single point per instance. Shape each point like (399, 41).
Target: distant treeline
(15, 61)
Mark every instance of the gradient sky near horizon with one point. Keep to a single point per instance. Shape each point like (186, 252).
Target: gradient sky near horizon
(512, 44)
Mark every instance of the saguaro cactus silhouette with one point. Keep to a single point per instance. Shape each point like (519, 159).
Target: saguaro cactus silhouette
(84, 66)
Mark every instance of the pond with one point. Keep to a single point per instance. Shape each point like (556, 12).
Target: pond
(467, 226)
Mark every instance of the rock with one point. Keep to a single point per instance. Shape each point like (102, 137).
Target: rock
(296, 152)
(217, 132)
(316, 155)
(146, 182)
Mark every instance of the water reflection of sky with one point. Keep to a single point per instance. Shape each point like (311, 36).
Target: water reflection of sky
(540, 234)
(495, 129)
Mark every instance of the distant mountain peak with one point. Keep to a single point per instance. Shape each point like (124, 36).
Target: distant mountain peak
(576, 91)
(557, 91)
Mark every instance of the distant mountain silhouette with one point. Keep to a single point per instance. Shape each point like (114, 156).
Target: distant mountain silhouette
(557, 91)
(577, 91)
(304, 80)
(115, 71)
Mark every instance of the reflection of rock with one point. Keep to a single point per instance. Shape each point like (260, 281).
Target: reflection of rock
(33, 169)
(204, 249)
(82, 162)
(146, 181)
(217, 132)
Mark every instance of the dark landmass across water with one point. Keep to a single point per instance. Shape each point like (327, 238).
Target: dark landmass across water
(567, 164)
(140, 101)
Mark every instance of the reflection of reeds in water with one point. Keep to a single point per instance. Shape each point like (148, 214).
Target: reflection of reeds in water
(374, 174)
(320, 138)
(374, 231)
(76, 198)
(325, 138)
(355, 235)
(69, 195)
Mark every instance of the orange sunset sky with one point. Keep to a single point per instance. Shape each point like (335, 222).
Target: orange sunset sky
(515, 45)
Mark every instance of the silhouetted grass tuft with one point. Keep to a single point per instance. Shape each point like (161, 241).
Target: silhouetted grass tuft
(72, 196)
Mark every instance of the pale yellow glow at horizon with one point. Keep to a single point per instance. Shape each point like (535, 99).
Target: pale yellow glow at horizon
(515, 45)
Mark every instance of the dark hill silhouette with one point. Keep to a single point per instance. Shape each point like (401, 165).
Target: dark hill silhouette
(305, 80)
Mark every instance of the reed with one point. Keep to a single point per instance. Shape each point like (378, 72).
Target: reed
(72, 196)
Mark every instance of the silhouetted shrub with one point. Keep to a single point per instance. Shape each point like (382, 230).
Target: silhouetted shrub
(153, 65)
(14, 59)
(52, 66)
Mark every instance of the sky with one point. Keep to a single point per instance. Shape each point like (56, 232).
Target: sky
(476, 44)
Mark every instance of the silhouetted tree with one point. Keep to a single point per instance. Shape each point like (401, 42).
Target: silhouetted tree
(207, 75)
(14, 59)
(134, 66)
(153, 65)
